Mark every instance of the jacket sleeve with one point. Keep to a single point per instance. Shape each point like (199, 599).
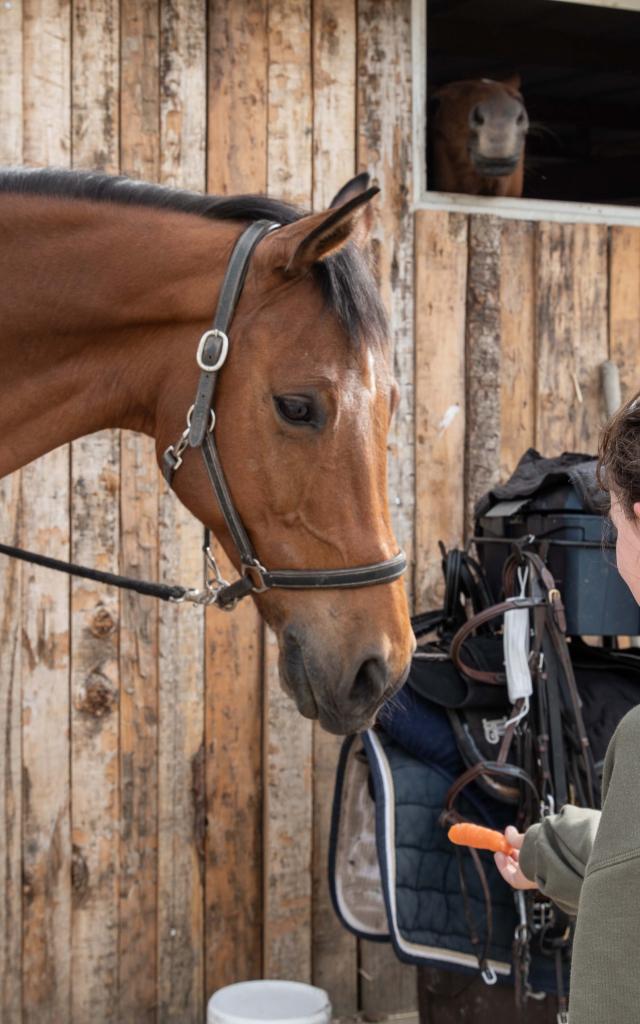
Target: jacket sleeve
(555, 854)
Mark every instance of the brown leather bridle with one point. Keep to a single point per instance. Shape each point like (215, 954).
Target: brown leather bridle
(200, 433)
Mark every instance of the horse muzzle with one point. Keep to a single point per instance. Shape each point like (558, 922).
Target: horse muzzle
(345, 699)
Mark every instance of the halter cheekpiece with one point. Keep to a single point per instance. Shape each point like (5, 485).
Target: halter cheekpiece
(199, 432)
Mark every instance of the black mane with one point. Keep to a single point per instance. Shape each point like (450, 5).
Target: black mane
(346, 281)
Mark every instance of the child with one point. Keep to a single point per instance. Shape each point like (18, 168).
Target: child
(586, 861)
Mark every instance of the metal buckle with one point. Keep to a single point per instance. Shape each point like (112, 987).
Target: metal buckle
(224, 349)
(489, 976)
(255, 567)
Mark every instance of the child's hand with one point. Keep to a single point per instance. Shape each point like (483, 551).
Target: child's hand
(508, 864)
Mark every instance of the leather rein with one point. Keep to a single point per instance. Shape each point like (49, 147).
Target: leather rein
(211, 355)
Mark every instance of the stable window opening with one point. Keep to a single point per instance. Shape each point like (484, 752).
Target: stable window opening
(580, 86)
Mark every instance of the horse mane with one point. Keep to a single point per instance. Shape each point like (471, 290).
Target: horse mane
(345, 279)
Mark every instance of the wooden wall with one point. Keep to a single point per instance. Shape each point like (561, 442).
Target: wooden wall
(164, 811)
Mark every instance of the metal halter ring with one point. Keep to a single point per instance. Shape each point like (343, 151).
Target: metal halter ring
(214, 332)
(256, 573)
(189, 415)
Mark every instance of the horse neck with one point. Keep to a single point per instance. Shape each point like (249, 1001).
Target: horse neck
(98, 301)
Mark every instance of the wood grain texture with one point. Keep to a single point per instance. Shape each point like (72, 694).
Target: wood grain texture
(483, 363)
(518, 372)
(46, 846)
(290, 108)
(334, 949)
(288, 812)
(233, 753)
(10, 761)
(571, 329)
(137, 931)
(238, 79)
(10, 601)
(181, 815)
(624, 299)
(441, 275)
(385, 150)
(11, 65)
(95, 797)
(237, 162)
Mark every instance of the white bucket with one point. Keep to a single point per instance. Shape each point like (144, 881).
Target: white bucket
(278, 1002)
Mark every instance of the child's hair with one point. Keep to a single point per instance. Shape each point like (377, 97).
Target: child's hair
(619, 455)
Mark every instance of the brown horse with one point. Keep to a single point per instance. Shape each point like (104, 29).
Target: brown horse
(477, 132)
(106, 287)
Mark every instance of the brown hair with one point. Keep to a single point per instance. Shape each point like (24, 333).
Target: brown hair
(619, 455)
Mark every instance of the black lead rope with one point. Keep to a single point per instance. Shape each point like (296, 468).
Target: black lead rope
(163, 591)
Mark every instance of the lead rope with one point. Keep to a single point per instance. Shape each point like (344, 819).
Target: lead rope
(163, 591)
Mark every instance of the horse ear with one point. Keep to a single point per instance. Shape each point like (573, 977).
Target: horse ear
(309, 240)
(355, 187)
(514, 81)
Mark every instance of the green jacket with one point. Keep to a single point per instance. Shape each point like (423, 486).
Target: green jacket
(588, 862)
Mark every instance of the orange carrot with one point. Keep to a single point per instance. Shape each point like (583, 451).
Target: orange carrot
(467, 834)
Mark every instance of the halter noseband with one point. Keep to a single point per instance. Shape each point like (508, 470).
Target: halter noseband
(199, 433)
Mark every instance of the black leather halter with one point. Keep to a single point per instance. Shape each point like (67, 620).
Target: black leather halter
(199, 433)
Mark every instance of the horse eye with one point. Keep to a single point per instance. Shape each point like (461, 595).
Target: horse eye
(295, 408)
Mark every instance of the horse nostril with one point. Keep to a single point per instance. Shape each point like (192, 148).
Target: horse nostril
(477, 116)
(370, 682)
(520, 118)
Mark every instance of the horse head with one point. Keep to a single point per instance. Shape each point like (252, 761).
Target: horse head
(303, 408)
(479, 128)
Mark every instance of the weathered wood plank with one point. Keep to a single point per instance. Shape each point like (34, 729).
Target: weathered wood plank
(237, 123)
(290, 111)
(385, 150)
(10, 761)
(11, 82)
(334, 950)
(10, 600)
(181, 812)
(137, 962)
(233, 933)
(483, 363)
(233, 714)
(517, 338)
(288, 812)
(441, 275)
(46, 849)
(571, 328)
(95, 803)
(624, 306)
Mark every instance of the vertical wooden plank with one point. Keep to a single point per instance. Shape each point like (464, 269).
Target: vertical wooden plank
(46, 850)
(180, 634)
(95, 805)
(137, 964)
(10, 762)
(441, 279)
(10, 589)
(334, 950)
(288, 736)
(385, 150)
(571, 327)
(237, 136)
(483, 362)
(233, 710)
(624, 308)
(517, 337)
(290, 101)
